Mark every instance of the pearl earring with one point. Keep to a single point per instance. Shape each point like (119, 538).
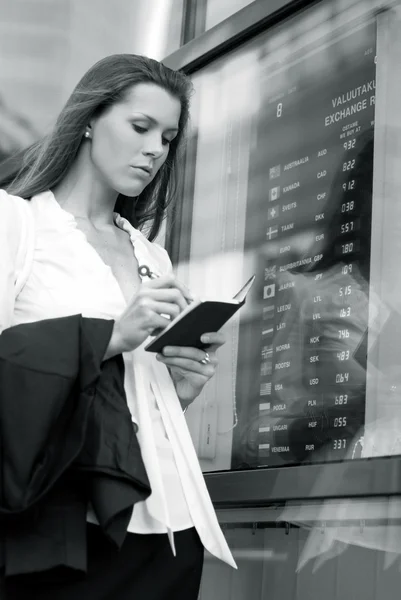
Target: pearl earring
(87, 134)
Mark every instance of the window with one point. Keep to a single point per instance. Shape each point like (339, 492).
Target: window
(336, 549)
(291, 175)
(202, 15)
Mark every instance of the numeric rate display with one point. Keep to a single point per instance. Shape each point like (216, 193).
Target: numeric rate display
(311, 189)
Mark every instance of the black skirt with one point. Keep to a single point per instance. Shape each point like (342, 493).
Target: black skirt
(145, 567)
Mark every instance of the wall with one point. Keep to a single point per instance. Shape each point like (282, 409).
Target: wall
(47, 45)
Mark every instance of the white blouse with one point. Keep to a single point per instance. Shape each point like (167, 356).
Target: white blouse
(67, 276)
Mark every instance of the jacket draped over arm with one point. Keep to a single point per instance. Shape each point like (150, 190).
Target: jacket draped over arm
(67, 440)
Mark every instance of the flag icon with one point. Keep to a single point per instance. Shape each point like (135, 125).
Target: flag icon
(267, 352)
(268, 331)
(273, 212)
(264, 450)
(275, 172)
(274, 194)
(268, 312)
(266, 368)
(264, 429)
(265, 389)
(270, 272)
(272, 233)
(269, 291)
(264, 406)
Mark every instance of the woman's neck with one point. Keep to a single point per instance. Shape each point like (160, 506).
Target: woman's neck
(82, 194)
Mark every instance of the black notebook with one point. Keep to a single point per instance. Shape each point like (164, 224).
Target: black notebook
(201, 316)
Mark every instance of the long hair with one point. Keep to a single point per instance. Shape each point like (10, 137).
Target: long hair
(45, 163)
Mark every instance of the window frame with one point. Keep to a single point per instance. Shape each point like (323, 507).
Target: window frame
(260, 487)
(199, 49)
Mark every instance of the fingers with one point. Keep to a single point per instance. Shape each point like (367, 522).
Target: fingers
(214, 340)
(188, 353)
(165, 308)
(161, 282)
(156, 324)
(151, 309)
(164, 294)
(189, 364)
(169, 281)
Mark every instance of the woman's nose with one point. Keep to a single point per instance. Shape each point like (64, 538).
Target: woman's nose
(153, 146)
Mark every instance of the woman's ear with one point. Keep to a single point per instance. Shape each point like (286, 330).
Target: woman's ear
(89, 131)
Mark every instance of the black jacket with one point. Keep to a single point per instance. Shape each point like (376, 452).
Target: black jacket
(66, 439)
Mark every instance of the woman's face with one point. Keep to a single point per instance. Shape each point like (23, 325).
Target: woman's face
(131, 139)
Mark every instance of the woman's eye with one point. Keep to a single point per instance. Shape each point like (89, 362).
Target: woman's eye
(139, 129)
(166, 142)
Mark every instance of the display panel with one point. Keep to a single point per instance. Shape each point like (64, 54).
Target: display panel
(309, 215)
(292, 175)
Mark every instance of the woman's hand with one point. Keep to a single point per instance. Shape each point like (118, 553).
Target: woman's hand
(187, 371)
(144, 314)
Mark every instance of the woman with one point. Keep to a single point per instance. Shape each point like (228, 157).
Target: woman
(107, 170)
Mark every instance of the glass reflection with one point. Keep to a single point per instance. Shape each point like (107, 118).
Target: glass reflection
(313, 344)
(292, 153)
(219, 10)
(300, 184)
(323, 551)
